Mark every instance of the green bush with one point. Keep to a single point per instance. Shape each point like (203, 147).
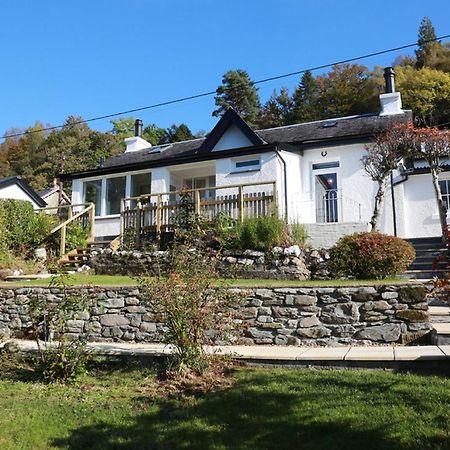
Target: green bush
(370, 255)
(299, 234)
(262, 233)
(22, 230)
(76, 236)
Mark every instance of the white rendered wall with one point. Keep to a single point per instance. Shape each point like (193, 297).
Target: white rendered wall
(14, 192)
(355, 186)
(421, 211)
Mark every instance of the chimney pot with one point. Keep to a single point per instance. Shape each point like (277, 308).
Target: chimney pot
(138, 128)
(389, 79)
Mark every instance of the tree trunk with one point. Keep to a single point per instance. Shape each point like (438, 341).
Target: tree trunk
(442, 207)
(379, 199)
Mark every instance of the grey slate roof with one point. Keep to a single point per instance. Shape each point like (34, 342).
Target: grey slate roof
(17, 179)
(303, 133)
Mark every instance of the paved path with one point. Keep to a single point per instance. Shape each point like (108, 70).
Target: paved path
(279, 354)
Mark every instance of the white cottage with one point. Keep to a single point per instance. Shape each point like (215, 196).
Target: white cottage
(17, 188)
(312, 172)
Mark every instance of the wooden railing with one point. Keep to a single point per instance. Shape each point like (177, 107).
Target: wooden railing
(82, 214)
(155, 212)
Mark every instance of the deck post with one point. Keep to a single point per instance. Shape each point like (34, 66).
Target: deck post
(138, 223)
(158, 214)
(197, 202)
(62, 241)
(91, 221)
(122, 220)
(241, 204)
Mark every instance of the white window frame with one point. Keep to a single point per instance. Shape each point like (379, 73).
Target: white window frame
(103, 179)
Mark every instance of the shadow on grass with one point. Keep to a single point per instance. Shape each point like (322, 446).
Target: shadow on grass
(278, 410)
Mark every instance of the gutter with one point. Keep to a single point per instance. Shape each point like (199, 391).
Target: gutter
(283, 162)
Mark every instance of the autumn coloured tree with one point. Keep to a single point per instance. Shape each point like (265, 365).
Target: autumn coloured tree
(433, 144)
(383, 156)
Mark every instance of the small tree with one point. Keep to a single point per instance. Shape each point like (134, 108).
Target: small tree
(433, 144)
(383, 156)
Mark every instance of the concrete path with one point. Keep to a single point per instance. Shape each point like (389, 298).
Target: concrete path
(274, 353)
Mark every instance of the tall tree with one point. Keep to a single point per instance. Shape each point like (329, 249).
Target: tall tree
(305, 99)
(383, 156)
(426, 50)
(346, 90)
(177, 133)
(124, 128)
(277, 110)
(238, 92)
(427, 92)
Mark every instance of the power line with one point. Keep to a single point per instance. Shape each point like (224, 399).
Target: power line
(209, 93)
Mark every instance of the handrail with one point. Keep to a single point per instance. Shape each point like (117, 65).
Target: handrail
(71, 219)
(89, 209)
(76, 205)
(212, 188)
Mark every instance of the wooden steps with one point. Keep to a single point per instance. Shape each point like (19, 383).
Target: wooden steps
(81, 255)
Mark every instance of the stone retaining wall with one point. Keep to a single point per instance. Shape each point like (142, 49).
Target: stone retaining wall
(331, 316)
(291, 263)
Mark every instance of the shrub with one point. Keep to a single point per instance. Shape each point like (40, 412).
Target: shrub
(22, 229)
(63, 359)
(370, 255)
(76, 236)
(262, 233)
(299, 234)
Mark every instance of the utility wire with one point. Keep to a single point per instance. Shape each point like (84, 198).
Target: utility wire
(209, 93)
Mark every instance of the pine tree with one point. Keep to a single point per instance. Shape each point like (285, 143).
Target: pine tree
(277, 110)
(305, 100)
(238, 92)
(426, 52)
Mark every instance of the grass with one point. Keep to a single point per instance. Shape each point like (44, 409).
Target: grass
(116, 280)
(263, 409)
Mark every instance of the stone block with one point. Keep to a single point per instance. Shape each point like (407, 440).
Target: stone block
(314, 332)
(147, 327)
(389, 332)
(340, 313)
(305, 300)
(111, 320)
(412, 315)
(307, 322)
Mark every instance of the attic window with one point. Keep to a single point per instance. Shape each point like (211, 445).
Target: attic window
(329, 124)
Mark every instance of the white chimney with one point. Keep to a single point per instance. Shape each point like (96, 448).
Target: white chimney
(136, 142)
(391, 101)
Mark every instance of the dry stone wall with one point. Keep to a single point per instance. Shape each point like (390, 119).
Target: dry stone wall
(326, 316)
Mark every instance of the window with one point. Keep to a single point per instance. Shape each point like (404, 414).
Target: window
(445, 190)
(115, 192)
(92, 192)
(326, 165)
(141, 184)
(202, 183)
(247, 165)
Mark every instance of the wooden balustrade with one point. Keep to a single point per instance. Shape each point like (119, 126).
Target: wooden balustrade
(155, 212)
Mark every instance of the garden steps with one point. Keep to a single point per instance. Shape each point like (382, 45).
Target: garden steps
(427, 250)
(80, 255)
(440, 321)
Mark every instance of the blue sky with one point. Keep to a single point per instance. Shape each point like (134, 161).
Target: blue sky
(94, 57)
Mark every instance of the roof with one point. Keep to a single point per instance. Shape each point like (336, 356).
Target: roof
(18, 180)
(299, 135)
(53, 190)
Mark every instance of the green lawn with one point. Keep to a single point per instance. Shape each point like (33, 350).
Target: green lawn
(264, 409)
(110, 280)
